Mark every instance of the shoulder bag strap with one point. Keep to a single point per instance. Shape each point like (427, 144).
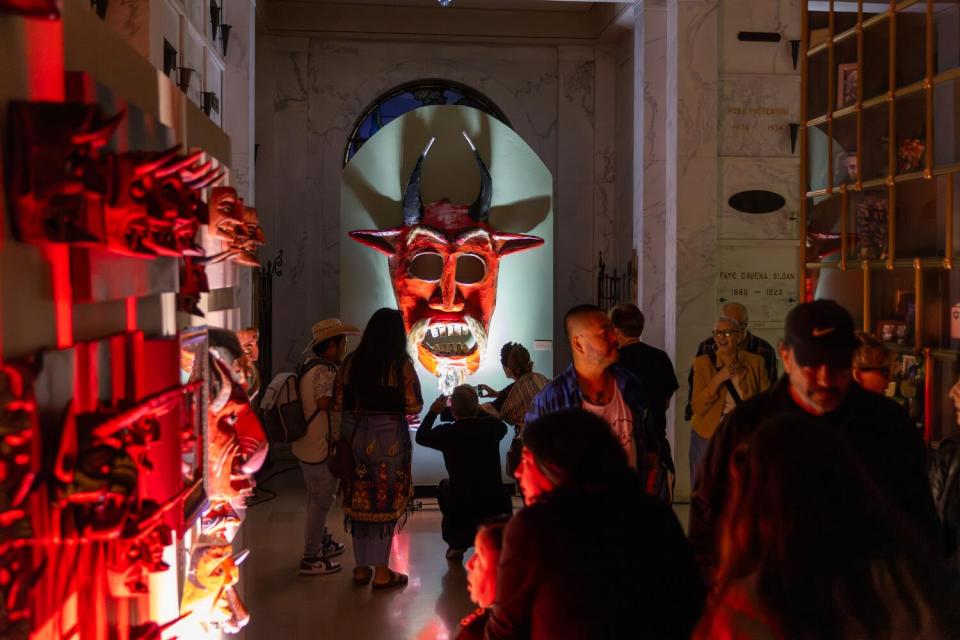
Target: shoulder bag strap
(732, 390)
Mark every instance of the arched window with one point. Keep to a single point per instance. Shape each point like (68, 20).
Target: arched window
(410, 96)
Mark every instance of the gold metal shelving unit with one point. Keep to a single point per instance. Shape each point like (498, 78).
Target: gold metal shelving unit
(904, 90)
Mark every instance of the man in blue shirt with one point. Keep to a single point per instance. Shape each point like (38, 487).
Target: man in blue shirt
(594, 383)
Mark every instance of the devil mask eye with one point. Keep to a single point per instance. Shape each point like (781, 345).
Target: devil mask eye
(426, 266)
(471, 269)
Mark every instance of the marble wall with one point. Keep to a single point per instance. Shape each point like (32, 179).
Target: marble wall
(711, 119)
(310, 93)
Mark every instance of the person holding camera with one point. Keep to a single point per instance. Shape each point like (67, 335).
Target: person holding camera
(471, 453)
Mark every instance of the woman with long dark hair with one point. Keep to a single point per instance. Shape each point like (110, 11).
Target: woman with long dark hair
(376, 388)
(810, 549)
(591, 556)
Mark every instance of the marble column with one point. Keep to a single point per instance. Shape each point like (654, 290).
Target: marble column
(677, 226)
(649, 163)
(238, 121)
(575, 273)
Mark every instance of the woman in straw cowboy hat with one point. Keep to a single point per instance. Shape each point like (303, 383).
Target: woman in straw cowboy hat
(316, 374)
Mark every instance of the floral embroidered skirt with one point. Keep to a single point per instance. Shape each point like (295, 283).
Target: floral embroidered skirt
(375, 498)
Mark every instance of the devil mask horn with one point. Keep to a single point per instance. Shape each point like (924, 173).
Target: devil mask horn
(412, 198)
(480, 209)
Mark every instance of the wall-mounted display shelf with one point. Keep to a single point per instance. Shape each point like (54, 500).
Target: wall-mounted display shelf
(880, 178)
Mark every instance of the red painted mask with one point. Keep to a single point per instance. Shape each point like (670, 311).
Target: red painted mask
(19, 454)
(208, 592)
(193, 282)
(237, 443)
(157, 207)
(46, 9)
(226, 212)
(58, 174)
(444, 264)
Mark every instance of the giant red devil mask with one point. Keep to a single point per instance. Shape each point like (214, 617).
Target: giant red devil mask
(444, 262)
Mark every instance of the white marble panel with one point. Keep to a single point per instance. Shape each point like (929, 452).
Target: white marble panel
(697, 78)
(762, 277)
(779, 175)
(755, 113)
(576, 113)
(623, 152)
(192, 57)
(696, 235)
(653, 76)
(777, 16)
(604, 160)
(213, 81)
(576, 261)
(603, 226)
(652, 252)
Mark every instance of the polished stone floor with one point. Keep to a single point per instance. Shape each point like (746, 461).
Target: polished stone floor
(286, 606)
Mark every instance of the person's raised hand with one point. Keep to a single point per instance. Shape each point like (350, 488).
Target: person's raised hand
(485, 391)
(439, 404)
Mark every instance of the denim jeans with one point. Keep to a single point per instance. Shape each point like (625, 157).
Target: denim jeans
(321, 489)
(698, 447)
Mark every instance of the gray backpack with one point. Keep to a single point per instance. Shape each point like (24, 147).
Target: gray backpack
(281, 408)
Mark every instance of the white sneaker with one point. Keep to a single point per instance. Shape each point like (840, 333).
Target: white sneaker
(317, 566)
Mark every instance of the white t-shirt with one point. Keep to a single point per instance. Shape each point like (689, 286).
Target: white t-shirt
(316, 384)
(617, 414)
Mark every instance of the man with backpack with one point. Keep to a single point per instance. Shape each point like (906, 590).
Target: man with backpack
(315, 378)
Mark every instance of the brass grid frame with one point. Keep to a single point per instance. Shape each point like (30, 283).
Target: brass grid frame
(892, 179)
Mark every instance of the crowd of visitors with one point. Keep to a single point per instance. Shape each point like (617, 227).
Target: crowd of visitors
(816, 511)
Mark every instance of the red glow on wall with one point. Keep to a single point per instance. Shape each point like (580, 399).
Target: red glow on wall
(131, 314)
(58, 257)
(44, 59)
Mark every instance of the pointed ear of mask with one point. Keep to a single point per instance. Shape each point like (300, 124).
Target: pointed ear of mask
(507, 243)
(383, 241)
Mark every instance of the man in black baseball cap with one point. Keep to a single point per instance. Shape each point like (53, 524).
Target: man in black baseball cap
(817, 352)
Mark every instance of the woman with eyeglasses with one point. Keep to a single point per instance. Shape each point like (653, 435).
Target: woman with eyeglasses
(872, 363)
(722, 379)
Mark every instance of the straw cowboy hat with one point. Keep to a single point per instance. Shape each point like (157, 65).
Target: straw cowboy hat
(330, 328)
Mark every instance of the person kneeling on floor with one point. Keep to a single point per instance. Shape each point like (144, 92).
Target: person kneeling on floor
(471, 452)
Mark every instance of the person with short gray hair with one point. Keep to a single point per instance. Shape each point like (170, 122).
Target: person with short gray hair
(748, 342)
(470, 446)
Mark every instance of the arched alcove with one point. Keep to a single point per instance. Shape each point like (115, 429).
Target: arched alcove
(412, 95)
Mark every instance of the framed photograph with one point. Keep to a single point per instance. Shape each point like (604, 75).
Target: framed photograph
(847, 81)
(846, 167)
(872, 225)
(891, 330)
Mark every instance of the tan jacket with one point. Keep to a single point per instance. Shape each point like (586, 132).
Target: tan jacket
(707, 409)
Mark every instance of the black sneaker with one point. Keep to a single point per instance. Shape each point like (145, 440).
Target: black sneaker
(331, 547)
(317, 566)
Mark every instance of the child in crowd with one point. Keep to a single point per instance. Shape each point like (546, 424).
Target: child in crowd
(482, 576)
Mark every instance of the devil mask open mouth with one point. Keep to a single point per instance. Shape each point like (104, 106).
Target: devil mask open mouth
(444, 262)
